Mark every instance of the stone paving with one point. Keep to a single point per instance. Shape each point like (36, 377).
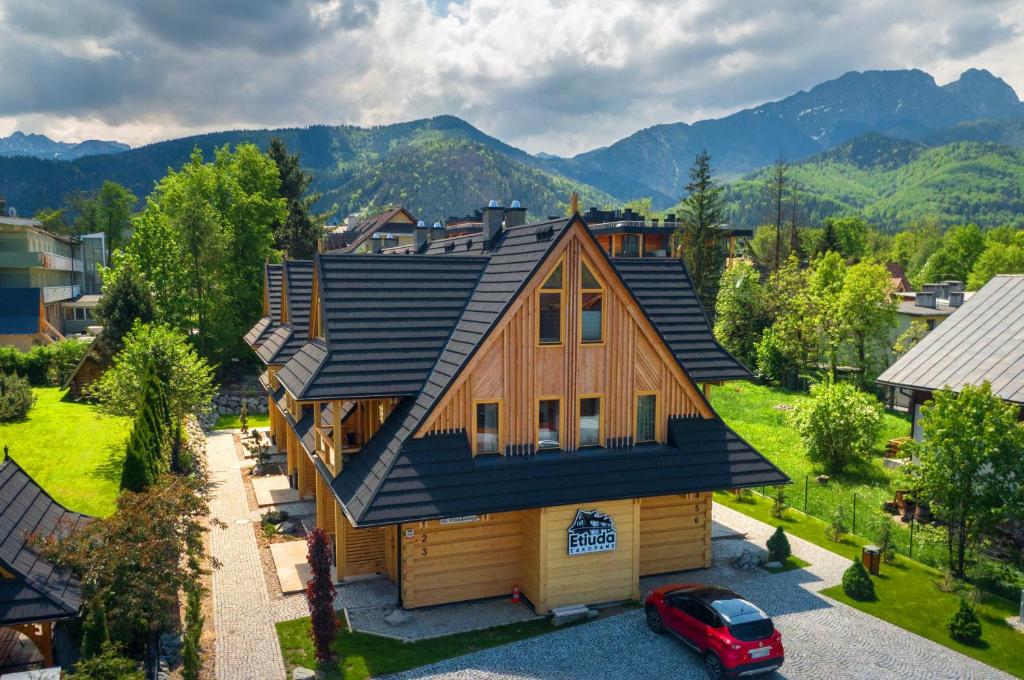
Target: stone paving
(247, 646)
(823, 638)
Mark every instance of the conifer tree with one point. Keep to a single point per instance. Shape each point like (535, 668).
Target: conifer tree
(829, 239)
(95, 633)
(703, 212)
(127, 298)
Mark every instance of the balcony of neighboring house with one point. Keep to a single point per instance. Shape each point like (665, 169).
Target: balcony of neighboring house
(60, 293)
(32, 259)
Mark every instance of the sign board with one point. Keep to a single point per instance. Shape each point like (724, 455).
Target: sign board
(591, 532)
(461, 520)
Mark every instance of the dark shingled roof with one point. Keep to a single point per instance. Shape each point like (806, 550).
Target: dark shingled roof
(269, 323)
(437, 475)
(289, 338)
(19, 313)
(982, 340)
(663, 289)
(386, 321)
(39, 591)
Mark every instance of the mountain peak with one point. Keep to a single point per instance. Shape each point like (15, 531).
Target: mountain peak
(986, 95)
(35, 145)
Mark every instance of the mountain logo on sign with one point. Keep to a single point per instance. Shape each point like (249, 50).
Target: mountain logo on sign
(590, 532)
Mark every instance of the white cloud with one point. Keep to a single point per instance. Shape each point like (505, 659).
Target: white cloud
(554, 75)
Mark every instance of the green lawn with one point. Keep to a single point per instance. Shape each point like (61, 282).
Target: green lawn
(907, 592)
(368, 655)
(72, 450)
(792, 562)
(231, 422)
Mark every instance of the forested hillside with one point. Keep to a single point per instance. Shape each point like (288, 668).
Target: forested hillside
(894, 182)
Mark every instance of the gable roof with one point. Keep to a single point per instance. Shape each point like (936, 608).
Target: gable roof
(19, 315)
(386, 320)
(662, 288)
(347, 241)
(288, 338)
(272, 273)
(982, 340)
(40, 591)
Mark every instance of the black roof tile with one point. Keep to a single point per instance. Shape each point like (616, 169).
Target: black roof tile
(288, 338)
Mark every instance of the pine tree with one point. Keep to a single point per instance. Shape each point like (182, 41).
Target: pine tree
(320, 594)
(703, 212)
(298, 233)
(127, 298)
(829, 239)
(95, 633)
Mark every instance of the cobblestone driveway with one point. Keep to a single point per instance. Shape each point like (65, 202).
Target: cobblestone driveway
(824, 639)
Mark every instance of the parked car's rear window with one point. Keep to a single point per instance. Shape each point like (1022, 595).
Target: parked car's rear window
(753, 630)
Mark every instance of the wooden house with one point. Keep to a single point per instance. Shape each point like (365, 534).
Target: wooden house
(35, 594)
(512, 408)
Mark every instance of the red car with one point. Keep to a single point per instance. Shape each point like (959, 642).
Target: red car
(735, 637)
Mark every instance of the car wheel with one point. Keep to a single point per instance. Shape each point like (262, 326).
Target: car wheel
(654, 619)
(713, 666)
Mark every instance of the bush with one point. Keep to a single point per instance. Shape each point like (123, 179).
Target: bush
(274, 516)
(857, 583)
(16, 398)
(837, 528)
(885, 542)
(839, 425)
(778, 501)
(964, 625)
(44, 365)
(773, 364)
(778, 546)
(997, 578)
(109, 665)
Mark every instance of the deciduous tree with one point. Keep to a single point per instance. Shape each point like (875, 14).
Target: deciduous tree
(867, 313)
(741, 312)
(838, 425)
(320, 595)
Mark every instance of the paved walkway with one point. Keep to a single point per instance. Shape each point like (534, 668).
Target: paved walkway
(247, 646)
(823, 638)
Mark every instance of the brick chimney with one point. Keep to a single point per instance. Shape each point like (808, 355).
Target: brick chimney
(493, 215)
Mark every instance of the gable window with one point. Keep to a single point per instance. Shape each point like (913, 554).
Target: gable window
(591, 307)
(549, 431)
(590, 421)
(646, 417)
(549, 299)
(488, 420)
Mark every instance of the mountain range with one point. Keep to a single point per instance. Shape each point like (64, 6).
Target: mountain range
(893, 144)
(41, 146)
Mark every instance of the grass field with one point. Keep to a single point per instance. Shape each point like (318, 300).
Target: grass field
(908, 594)
(231, 422)
(71, 449)
(368, 655)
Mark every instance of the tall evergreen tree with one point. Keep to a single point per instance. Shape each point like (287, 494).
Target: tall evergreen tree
(127, 298)
(95, 633)
(829, 239)
(703, 211)
(149, 445)
(298, 232)
(776, 195)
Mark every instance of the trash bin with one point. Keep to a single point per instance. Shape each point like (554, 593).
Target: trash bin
(871, 556)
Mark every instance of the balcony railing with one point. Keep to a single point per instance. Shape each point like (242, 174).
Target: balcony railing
(58, 293)
(33, 259)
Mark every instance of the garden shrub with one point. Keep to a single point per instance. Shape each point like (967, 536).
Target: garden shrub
(839, 425)
(274, 516)
(108, 665)
(997, 578)
(837, 528)
(778, 546)
(857, 582)
(16, 398)
(778, 501)
(44, 365)
(886, 545)
(964, 625)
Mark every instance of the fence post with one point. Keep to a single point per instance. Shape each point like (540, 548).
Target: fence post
(910, 553)
(806, 477)
(854, 513)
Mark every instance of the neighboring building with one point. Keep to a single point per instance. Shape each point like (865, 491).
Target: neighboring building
(983, 339)
(510, 408)
(62, 270)
(900, 283)
(394, 227)
(35, 595)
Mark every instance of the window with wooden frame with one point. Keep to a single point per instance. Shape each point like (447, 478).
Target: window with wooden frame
(487, 427)
(591, 307)
(629, 246)
(646, 417)
(549, 307)
(590, 425)
(549, 423)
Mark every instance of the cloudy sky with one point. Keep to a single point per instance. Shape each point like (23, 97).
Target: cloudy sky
(545, 75)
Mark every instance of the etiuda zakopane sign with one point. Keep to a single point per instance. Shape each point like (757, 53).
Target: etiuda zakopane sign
(591, 532)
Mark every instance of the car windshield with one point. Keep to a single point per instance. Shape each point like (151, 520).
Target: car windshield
(752, 630)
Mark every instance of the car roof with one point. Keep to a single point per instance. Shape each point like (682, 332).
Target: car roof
(728, 604)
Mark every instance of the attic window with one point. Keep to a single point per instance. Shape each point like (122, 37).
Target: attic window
(591, 307)
(549, 304)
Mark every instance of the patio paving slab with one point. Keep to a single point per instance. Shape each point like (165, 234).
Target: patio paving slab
(273, 490)
(292, 569)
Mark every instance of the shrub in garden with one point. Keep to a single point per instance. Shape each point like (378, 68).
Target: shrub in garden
(778, 501)
(964, 625)
(95, 634)
(320, 594)
(43, 364)
(191, 653)
(108, 665)
(837, 528)
(838, 426)
(857, 583)
(16, 398)
(886, 544)
(778, 546)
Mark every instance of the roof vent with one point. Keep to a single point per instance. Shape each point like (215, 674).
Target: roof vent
(438, 225)
(956, 298)
(926, 298)
(421, 223)
(493, 204)
(515, 204)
